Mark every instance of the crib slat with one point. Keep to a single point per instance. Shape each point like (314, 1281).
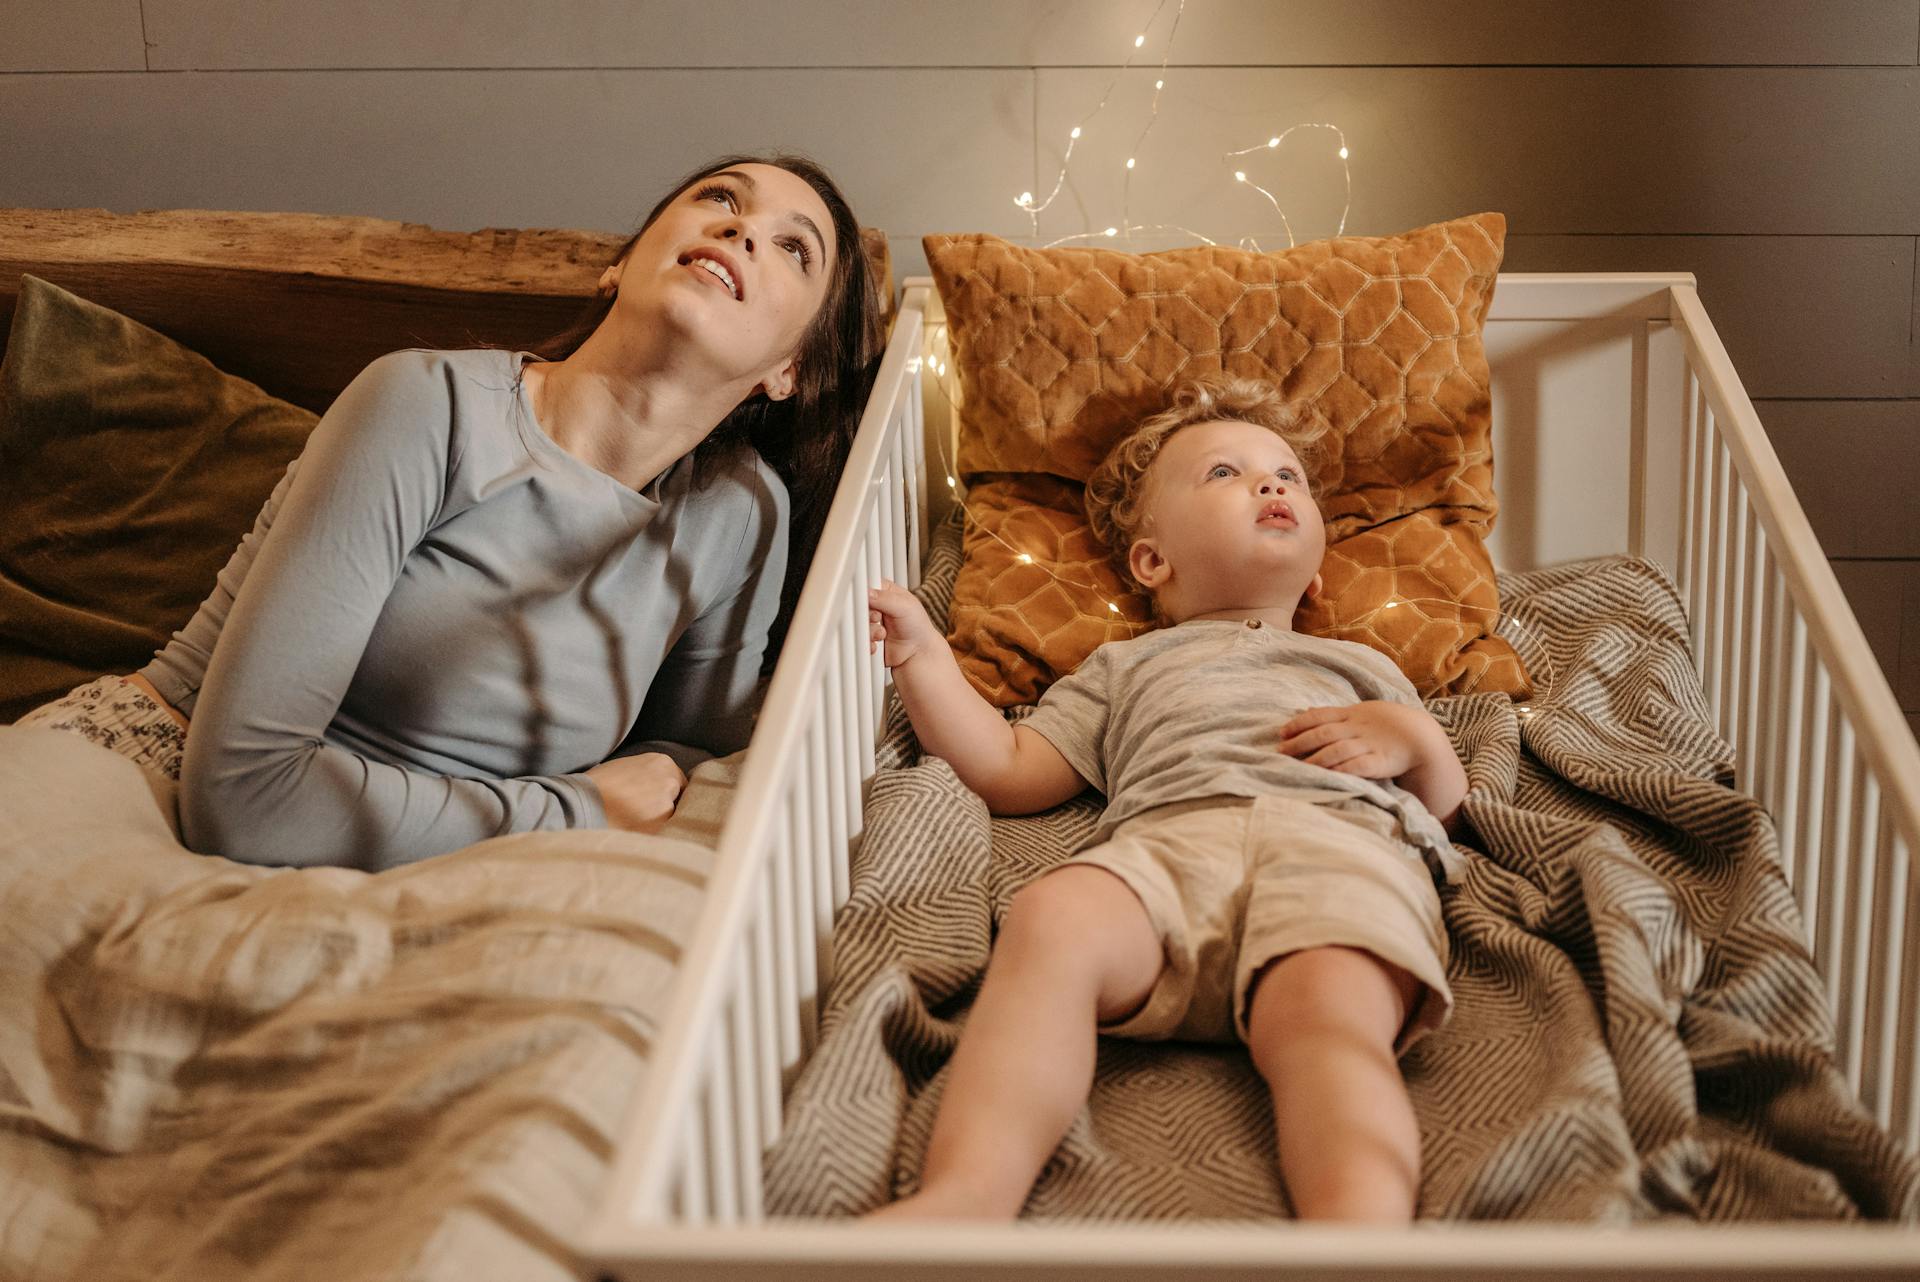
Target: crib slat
(829, 836)
(1702, 531)
(851, 713)
(1906, 1040)
(914, 434)
(1825, 866)
(793, 848)
(916, 496)
(742, 1071)
(723, 1171)
(1767, 753)
(872, 671)
(1733, 594)
(1694, 561)
(1786, 755)
(806, 956)
(1752, 651)
(693, 1176)
(825, 857)
(1718, 538)
(1844, 908)
(1889, 951)
(838, 717)
(1861, 1060)
(786, 964)
(766, 1013)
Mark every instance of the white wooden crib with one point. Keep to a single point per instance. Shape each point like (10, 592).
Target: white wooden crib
(1620, 426)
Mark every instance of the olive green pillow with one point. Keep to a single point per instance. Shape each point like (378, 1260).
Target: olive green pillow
(129, 469)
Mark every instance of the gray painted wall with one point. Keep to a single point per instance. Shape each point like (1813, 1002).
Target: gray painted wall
(1772, 147)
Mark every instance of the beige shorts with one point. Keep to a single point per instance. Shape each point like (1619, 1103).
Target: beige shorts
(1231, 884)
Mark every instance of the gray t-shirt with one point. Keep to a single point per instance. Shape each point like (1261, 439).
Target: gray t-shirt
(448, 618)
(1195, 711)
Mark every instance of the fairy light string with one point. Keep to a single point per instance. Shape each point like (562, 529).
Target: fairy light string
(1126, 227)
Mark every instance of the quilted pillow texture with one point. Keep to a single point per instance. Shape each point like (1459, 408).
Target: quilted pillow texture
(129, 470)
(1061, 352)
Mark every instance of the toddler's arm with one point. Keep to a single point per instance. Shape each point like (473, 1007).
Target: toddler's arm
(1015, 770)
(1383, 740)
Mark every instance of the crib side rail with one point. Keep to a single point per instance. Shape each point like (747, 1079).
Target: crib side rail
(1816, 731)
(744, 1015)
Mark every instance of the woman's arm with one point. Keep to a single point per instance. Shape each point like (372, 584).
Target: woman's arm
(259, 782)
(1015, 770)
(705, 696)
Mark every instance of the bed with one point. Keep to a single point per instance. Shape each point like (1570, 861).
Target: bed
(1653, 559)
(212, 1070)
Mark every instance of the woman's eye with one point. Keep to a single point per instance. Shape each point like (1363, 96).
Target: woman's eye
(1219, 469)
(801, 254)
(716, 191)
(1288, 474)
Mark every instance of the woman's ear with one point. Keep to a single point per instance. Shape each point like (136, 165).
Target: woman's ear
(1149, 568)
(779, 385)
(609, 282)
(1314, 589)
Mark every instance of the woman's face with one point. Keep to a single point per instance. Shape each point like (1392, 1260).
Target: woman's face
(735, 266)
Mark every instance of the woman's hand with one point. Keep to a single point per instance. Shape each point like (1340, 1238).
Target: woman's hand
(896, 617)
(639, 792)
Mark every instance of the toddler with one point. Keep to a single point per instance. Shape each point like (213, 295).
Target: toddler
(1264, 869)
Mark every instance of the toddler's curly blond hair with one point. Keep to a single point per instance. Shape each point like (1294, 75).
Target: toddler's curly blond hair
(1116, 492)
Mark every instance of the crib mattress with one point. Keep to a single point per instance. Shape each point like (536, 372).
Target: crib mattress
(1639, 1034)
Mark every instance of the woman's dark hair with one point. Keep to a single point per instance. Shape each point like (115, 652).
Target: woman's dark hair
(806, 437)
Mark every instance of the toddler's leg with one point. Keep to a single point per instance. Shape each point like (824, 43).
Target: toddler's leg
(1076, 948)
(1321, 1026)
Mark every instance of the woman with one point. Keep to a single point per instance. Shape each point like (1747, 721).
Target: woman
(498, 588)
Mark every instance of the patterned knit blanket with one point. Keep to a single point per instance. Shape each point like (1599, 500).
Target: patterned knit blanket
(1639, 1030)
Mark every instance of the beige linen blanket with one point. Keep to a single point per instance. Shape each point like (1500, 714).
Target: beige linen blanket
(212, 1071)
(1639, 1031)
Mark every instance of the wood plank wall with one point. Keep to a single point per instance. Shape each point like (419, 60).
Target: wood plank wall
(1772, 147)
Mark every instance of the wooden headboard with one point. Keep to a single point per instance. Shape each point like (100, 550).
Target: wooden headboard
(300, 303)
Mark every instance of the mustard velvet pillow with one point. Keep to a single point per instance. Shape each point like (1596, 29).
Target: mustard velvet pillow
(1060, 352)
(129, 470)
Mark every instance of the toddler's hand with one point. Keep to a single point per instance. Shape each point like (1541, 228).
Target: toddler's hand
(1375, 740)
(895, 616)
(639, 793)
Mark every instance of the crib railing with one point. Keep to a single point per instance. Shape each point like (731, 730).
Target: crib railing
(746, 1014)
(1817, 735)
(1787, 673)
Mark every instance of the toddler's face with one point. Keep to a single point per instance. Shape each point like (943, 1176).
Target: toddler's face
(1228, 510)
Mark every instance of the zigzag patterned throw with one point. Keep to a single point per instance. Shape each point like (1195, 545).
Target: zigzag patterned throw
(1639, 1032)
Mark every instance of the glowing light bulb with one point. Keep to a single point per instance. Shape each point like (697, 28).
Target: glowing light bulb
(1024, 559)
(951, 482)
(1113, 607)
(1159, 84)
(1239, 175)
(1343, 153)
(1138, 41)
(1129, 162)
(1026, 198)
(1075, 133)
(1273, 142)
(1112, 231)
